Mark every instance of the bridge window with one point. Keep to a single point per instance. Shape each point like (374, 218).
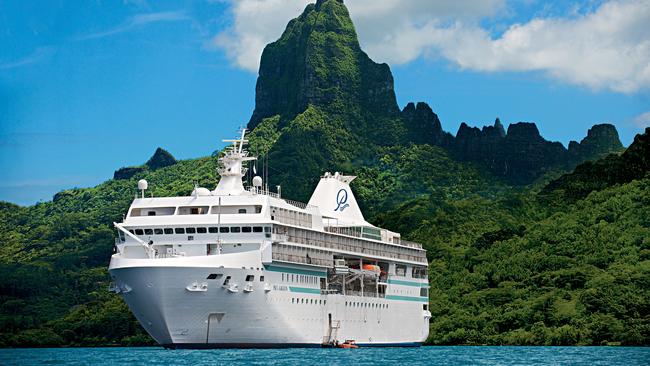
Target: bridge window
(257, 229)
(139, 232)
(213, 230)
(179, 230)
(190, 230)
(235, 229)
(158, 231)
(169, 230)
(201, 230)
(148, 232)
(224, 229)
(245, 229)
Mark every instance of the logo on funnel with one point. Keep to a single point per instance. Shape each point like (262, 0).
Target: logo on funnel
(341, 200)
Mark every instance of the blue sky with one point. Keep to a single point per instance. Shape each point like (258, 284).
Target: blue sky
(87, 87)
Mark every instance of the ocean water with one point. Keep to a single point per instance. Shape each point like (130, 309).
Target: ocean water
(592, 356)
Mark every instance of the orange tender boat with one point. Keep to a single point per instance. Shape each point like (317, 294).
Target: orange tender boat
(347, 344)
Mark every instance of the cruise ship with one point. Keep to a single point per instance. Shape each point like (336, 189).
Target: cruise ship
(240, 266)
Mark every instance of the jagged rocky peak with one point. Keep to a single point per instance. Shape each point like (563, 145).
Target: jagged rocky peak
(160, 159)
(423, 125)
(601, 139)
(523, 130)
(318, 61)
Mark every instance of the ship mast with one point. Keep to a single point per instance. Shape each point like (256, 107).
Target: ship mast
(231, 167)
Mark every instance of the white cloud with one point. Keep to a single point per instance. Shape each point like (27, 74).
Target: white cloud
(605, 48)
(255, 23)
(138, 20)
(642, 120)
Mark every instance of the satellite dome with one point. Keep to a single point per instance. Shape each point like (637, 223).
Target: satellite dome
(257, 181)
(142, 184)
(200, 191)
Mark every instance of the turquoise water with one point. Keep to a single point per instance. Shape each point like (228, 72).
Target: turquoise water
(308, 356)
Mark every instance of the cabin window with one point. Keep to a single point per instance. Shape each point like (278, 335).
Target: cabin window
(235, 229)
(424, 292)
(190, 230)
(179, 230)
(267, 229)
(201, 230)
(245, 229)
(213, 230)
(139, 232)
(148, 232)
(152, 211)
(250, 278)
(214, 276)
(425, 306)
(158, 231)
(258, 209)
(193, 210)
(261, 278)
(169, 230)
(224, 229)
(241, 211)
(400, 270)
(257, 229)
(419, 272)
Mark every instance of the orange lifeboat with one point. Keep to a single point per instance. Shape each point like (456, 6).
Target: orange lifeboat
(371, 267)
(347, 344)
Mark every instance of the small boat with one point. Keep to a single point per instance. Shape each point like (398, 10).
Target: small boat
(347, 344)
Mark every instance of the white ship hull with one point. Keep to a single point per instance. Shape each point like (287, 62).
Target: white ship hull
(243, 267)
(180, 308)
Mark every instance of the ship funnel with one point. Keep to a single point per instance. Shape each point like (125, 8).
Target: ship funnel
(335, 200)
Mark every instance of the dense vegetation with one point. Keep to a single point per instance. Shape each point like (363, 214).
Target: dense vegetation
(565, 262)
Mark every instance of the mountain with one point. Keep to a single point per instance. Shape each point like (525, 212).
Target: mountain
(319, 94)
(632, 164)
(510, 262)
(160, 159)
(566, 266)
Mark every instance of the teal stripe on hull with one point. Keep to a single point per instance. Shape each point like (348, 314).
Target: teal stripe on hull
(304, 290)
(407, 298)
(275, 268)
(408, 283)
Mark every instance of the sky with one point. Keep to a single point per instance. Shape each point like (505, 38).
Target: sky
(87, 87)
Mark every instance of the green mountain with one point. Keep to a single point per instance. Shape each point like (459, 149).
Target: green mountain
(535, 268)
(513, 261)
